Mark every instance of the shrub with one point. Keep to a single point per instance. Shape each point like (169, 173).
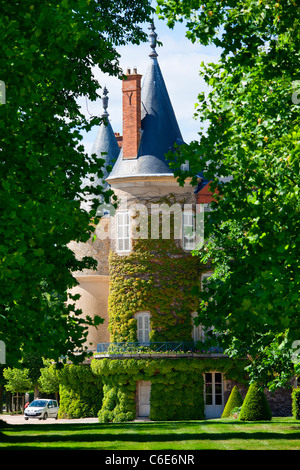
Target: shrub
(296, 403)
(255, 406)
(80, 392)
(235, 400)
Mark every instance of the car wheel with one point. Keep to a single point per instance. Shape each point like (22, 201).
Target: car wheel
(45, 416)
(26, 419)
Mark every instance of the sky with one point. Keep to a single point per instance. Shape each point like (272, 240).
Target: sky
(179, 61)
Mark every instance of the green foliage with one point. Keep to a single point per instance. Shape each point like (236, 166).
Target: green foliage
(49, 378)
(235, 412)
(34, 363)
(255, 406)
(48, 53)
(157, 276)
(253, 114)
(176, 386)
(234, 401)
(80, 392)
(17, 380)
(296, 403)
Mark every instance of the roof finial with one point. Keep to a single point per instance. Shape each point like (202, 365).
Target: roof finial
(152, 37)
(105, 102)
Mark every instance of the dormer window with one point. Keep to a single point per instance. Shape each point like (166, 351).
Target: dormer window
(123, 231)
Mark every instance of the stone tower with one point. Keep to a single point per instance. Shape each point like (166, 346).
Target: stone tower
(151, 269)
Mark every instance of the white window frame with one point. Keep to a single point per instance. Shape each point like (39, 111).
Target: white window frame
(213, 391)
(123, 232)
(189, 223)
(143, 327)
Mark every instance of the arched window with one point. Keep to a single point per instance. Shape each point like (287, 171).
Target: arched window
(143, 327)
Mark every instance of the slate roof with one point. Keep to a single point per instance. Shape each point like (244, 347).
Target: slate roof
(159, 128)
(106, 144)
(105, 147)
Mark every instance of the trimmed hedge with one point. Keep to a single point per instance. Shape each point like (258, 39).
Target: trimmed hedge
(235, 400)
(255, 406)
(296, 403)
(80, 392)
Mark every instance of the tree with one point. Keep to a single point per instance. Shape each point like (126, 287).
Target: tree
(48, 51)
(49, 378)
(250, 153)
(17, 381)
(33, 363)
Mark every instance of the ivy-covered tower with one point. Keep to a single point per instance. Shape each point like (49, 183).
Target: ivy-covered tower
(148, 353)
(152, 271)
(151, 302)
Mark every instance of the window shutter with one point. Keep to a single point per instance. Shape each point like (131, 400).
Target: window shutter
(140, 329)
(146, 328)
(143, 327)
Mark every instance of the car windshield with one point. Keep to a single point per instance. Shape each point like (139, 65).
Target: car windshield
(38, 403)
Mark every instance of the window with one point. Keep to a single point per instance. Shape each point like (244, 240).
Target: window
(197, 334)
(123, 231)
(143, 327)
(213, 388)
(188, 231)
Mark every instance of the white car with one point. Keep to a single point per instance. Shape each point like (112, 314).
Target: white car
(42, 409)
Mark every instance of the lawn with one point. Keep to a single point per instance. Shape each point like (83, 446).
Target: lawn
(221, 434)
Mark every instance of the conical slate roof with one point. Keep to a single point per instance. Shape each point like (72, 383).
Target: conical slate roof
(159, 128)
(105, 147)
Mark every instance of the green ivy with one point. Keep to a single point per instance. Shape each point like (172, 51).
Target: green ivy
(176, 386)
(157, 277)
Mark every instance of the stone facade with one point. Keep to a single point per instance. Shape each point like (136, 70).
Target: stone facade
(141, 177)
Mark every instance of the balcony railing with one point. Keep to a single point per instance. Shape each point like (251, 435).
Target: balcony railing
(167, 347)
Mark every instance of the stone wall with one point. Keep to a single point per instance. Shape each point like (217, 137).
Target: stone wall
(97, 247)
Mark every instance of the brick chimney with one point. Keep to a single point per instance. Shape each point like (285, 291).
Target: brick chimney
(131, 114)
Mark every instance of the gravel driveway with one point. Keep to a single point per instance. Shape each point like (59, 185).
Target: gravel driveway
(19, 419)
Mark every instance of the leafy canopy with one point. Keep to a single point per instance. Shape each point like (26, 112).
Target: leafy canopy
(48, 52)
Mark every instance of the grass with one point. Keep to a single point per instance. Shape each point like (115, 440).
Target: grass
(221, 434)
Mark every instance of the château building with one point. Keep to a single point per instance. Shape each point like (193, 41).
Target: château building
(147, 349)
